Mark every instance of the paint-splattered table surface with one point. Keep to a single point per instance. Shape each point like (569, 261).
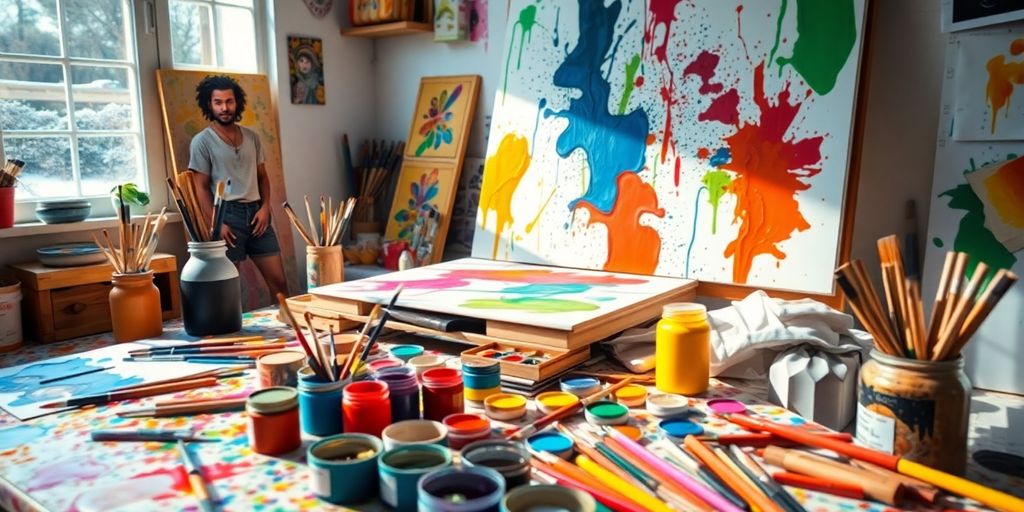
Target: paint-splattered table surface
(49, 463)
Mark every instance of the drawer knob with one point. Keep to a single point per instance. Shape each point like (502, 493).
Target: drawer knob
(75, 308)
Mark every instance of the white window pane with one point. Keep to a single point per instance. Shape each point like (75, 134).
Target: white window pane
(107, 161)
(32, 97)
(29, 27)
(96, 29)
(191, 34)
(237, 38)
(47, 171)
(241, 3)
(102, 99)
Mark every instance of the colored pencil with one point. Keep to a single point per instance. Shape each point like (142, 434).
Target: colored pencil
(73, 375)
(756, 473)
(585, 447)
(195, 478)
(911, 486)
(601, 493)
(991, 497)
(184, 408)
(564, 411)
(825, 485)
(141, 392)
(622, 486)
(876, 487)
(158, 435)
(684, 460)
(750, 494)
(311, 359)
(763, 439)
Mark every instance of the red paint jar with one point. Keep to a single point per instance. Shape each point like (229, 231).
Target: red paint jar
(366, 407)
(442, 393)
(273, 420)
(466, 428)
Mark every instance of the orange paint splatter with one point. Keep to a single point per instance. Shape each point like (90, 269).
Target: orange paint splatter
(768, 170)
(502, 173)
(632, 247)
(1005, 190)
(1002, 76)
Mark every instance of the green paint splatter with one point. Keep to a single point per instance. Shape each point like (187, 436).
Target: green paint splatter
(527, 20)
(938, 242)
(826, 32)
(778, 31)
(972, 236)
(717, 183)
(627, 88)
(531, 305)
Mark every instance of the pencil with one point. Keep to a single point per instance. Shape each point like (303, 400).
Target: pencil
(195, 478)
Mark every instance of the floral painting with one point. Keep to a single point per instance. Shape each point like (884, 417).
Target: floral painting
(443, 116)
(422, 188)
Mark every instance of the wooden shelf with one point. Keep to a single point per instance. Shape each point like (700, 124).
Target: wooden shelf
(397, 28)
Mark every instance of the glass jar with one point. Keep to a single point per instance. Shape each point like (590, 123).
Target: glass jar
(135, 312)
(211, 294)
(683, 349)
(915, 409)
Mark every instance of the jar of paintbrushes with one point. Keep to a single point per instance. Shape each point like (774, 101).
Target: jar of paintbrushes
(913, 396)
(8, 178)
(135, 311)
(323, 240)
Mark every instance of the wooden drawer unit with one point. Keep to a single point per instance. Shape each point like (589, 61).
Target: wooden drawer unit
(65, 303)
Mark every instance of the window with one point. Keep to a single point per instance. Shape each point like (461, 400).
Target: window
(71, 72)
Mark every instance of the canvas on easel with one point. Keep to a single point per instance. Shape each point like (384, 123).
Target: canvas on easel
(423, 186)
(705, 139)
(183, 119)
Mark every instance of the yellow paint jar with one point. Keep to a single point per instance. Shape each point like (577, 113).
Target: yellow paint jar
(683, 349)
(505, 406)
(550, 401)
(633, 395)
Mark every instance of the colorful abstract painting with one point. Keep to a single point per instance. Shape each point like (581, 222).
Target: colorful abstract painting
(989, 94)
(422, 186)
(550, 297)
(706, 139)
(441, 121)
(976, 191)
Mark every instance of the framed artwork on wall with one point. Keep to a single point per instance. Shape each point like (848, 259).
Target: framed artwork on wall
(444, 113)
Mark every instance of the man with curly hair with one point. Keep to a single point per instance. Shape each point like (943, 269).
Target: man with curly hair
(227, 151)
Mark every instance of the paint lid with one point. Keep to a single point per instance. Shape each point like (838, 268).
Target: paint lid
(283, 358)
(406, 352)
(666, 405)
(505, 402)
(466, 423)
(551, 442)
(549, 401)
(379, 364)
(426, 360)
(726, 406)
(580, 385)
(441, 377)
(606, 412)
(272, 400)
(680, 428)
(634, 433)
(632, 395)
(683, 309)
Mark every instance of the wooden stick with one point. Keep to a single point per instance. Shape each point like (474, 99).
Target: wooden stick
(939, 306)
(321, 357)
(859, 306)
(982, 307)
(109, 256)
(953, 291)
(312, 225)
(950, 332)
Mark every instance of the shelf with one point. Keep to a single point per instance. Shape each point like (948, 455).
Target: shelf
(38, 228)
(397, 28)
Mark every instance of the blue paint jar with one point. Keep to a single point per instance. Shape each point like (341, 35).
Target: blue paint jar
(405, 392)
(481, 380)
(580, 385)
(474, 489)
(401, 469)
(319, 404)
(344, 468)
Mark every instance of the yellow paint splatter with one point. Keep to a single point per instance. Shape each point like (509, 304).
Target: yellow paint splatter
(1002, 76)
(533, 223)
(502, 173)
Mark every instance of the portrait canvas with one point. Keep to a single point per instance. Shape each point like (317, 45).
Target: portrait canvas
(306, 69)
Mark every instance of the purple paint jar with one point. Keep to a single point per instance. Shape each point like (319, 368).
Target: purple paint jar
(405, 392)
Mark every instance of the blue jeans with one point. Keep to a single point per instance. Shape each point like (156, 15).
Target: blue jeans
(238, 216)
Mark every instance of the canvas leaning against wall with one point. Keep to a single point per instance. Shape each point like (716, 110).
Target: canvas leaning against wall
(704, 139)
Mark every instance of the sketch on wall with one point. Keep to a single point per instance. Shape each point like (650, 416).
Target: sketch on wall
(628, 136)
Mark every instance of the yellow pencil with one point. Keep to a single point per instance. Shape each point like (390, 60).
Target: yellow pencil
(621, 486)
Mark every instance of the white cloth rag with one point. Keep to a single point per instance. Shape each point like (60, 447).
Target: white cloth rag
(747, 336)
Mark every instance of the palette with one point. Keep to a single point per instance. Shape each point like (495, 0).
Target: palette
(526, 361)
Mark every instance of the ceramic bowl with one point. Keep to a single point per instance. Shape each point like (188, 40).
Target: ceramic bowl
(61, 212)
(70, 255)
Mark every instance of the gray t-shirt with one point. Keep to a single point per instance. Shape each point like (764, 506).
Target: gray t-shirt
(210, 155)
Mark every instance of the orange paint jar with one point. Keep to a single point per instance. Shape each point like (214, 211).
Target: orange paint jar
(135, 312)
(273, 420)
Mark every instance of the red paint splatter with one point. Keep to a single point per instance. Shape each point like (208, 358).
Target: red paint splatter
(739, 30)
(768, 170)
(632, 247)
(639, 81)
(675, 172)
(724, 109)
(703, 153)
(704, 68)
(668, 97)
(663, 13)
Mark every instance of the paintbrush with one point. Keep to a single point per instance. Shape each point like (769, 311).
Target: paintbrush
(184, 407)
(313, 364)
(141, 392)
(155, 435)
(565, 411)
(195, 478)
(380, 327)
(351, 359)
(321, 357)
(73, 375)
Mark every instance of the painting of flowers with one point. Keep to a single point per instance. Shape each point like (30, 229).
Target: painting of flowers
(420, 189)
(443, 116)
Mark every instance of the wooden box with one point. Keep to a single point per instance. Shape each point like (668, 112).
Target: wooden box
(551, 360)
(68, 302)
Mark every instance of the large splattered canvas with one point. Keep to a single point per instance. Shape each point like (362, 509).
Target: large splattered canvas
(547, 297)
(989, 95)
(959, 220)
(706, 139)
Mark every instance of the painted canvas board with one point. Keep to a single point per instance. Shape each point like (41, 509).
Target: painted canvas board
(965, 14)
(548, 297)
(705, 139)
(1000, 188)
(994, 358)
(182, 120)
(422, 185)
(443, 116)
(306, 70)
(989, 93)
(21, 394)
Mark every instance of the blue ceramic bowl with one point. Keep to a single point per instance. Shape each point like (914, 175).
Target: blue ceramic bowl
(70, 255)
(61, 212)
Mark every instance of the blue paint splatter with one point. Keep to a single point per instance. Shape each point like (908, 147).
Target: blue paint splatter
(615, 49)
(612, 143)
(19, 435)
(27, 380)
(548, 288)
(558, 14)
(693, 234)
(721, 157)
(536, 123)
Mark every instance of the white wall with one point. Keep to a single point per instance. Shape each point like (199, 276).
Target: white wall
(311, 134)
